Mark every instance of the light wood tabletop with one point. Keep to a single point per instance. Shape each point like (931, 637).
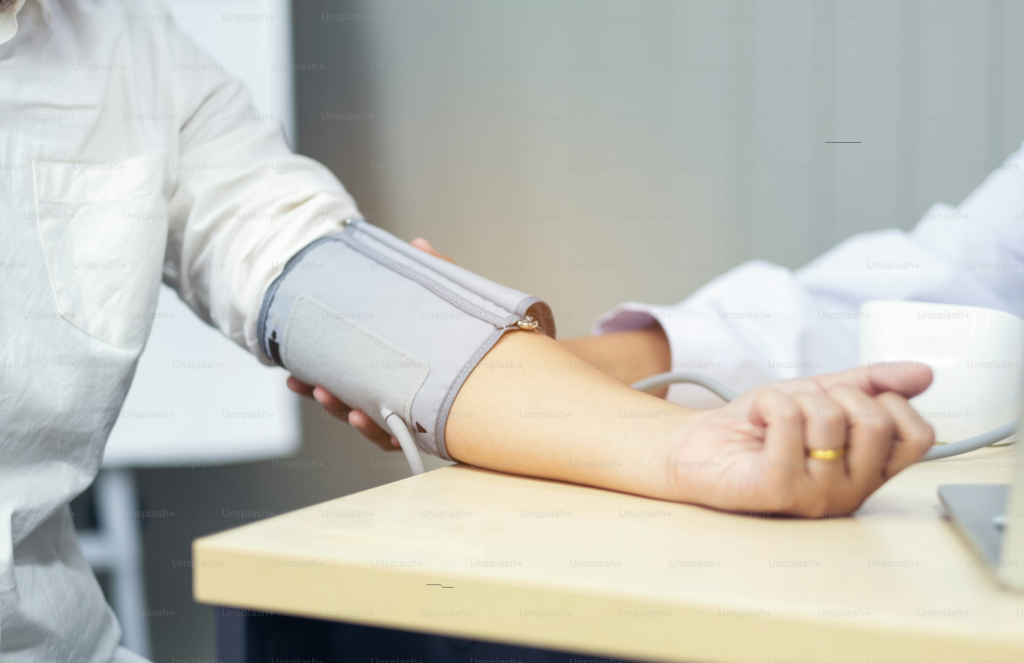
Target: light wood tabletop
(477, 554)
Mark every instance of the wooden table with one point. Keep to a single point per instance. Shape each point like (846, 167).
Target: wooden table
(491, 557)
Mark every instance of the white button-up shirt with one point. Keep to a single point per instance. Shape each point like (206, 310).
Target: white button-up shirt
(127, 157)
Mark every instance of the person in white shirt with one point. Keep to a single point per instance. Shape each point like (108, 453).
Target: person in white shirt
(128, 158)
(970, 254)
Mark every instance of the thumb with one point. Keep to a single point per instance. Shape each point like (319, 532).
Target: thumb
(906, 378)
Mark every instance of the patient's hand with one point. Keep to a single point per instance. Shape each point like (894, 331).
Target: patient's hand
(752, 454)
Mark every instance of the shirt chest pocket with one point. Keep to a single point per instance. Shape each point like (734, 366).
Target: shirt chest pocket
(103, 228)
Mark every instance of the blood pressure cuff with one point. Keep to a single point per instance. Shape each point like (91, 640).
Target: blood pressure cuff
(382, 324)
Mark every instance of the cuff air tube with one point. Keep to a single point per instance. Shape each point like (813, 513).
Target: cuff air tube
(386, 327)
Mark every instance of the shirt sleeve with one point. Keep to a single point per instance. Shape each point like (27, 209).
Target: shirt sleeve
(761, 322)
(242, 203)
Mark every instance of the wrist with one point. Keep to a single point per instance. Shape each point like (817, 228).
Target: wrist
(686, 461)
(658, 456)
(641, 437)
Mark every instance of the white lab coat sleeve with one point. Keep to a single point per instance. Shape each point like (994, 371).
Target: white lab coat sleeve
(761, 322)
(242, 203)
(743, 328)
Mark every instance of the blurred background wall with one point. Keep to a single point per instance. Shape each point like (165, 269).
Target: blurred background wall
(594, 152)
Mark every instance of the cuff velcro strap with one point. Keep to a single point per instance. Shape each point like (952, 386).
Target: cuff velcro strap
(381, 324)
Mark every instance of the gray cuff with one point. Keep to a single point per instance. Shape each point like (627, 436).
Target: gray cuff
(381, 324)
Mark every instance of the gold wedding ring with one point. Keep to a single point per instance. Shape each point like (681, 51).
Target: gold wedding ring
(826, 454)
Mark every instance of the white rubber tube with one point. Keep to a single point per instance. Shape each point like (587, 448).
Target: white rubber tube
(401, 432)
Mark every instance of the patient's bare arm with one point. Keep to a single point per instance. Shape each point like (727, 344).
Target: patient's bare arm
(809, 447)
(533, 408)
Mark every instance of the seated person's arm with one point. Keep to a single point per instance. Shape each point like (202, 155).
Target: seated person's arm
(532, 407)
(543, 408)
(556, 418)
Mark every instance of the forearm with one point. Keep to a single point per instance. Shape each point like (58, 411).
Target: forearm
(532, 407)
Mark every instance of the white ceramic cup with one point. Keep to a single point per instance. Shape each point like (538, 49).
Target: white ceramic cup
(975, 355)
